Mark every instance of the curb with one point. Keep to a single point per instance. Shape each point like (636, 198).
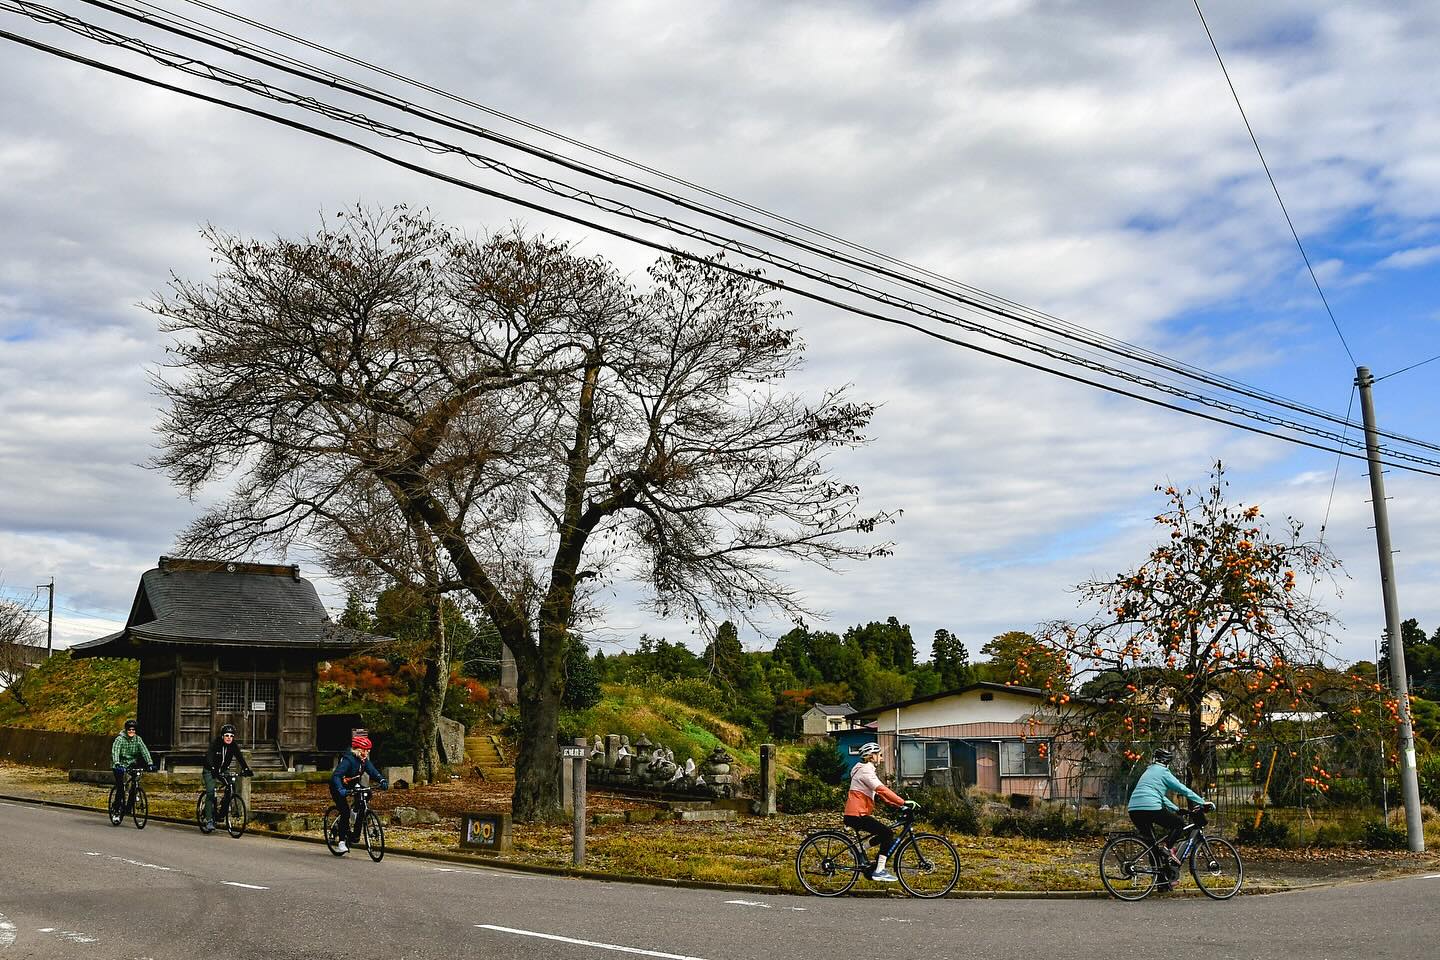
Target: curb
(579, 873)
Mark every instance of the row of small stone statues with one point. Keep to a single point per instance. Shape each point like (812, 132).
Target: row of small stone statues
(646, 764)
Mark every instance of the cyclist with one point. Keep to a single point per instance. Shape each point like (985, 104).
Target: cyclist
(865, 785)
(1150, 807)
(127, 748)
(347, 774)
(223, 750)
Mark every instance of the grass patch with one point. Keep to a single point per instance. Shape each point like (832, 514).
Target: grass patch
(94, 695)
(690, 731)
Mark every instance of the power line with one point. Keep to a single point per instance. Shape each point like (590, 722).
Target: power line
(1403, 369)
(685, 254)
(1261, 154)
(204, 70)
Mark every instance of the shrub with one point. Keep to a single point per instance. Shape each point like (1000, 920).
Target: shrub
(1349, 792)
(1270, 833)
(948, 810)
(809, 794)
(1428, 771)
(1379, 835)
(824, 762)
(1049, 825)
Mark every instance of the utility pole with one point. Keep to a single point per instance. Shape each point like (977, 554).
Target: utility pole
(50, 619)
(1409, 782)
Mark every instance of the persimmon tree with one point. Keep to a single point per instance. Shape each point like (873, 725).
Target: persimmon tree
(504, 417)
(1202, 641)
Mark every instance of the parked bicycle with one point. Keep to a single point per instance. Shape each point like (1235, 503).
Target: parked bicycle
(373, 831)
(129, 799)
(231, 808)
(829, 861)
(1131, 866)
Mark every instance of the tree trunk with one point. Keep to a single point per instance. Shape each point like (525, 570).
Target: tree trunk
(431, 702)
(537, 761)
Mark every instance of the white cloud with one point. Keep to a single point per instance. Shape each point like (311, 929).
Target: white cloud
(1415, 257)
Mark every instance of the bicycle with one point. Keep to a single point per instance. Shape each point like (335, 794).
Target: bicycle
(232, 809)
(829, 861)
(1130, 866)
(129, 799)
(337, 826)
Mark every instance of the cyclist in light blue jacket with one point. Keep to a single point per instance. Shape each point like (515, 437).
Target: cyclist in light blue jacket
(1150, 805)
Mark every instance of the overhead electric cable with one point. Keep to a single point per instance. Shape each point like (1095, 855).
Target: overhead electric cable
(202, 69)
(1403, 369)
(676, 251)
(1261, 154)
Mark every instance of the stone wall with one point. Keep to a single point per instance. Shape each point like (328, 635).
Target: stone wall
(52, 748)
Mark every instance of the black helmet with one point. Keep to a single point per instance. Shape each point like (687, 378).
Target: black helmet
(1163, 755)
(228, 728)
(130, 725)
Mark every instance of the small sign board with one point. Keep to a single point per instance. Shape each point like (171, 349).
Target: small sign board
(257, 706)
(485, 831)
(573, 753)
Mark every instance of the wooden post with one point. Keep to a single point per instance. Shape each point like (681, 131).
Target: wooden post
(767, 780)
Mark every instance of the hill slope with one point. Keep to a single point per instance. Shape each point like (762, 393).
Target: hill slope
(79, 696)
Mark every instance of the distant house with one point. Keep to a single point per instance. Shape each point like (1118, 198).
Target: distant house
(825, 718)
(230, 643)
(995, 736)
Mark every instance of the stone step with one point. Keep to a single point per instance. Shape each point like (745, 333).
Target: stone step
(692, 815)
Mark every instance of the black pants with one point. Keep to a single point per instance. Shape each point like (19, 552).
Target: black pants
(1164, 826)
(352, 834)
(882, 835)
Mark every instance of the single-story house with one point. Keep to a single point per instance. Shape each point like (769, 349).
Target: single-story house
(824, 718)
(995, 734)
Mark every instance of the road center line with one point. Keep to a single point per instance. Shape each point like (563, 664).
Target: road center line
(586, 943)
(7, 931)
(247, 886)
(749, 903)
(133, 863)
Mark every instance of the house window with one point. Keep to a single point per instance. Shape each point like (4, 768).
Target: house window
(918, 756)
(1024, 758)
(987, 696)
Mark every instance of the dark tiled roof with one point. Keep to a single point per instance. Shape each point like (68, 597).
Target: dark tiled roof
(834, 709)
(242, 605)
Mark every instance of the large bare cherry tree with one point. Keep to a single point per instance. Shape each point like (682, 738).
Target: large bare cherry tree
(508, 418)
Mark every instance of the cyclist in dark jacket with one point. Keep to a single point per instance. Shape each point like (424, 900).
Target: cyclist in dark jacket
(223, 751)
(347, 775)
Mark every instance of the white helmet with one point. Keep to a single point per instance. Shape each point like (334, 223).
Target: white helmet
(869, 750)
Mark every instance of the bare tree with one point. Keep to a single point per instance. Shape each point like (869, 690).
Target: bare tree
(547, 425)
(20, 643)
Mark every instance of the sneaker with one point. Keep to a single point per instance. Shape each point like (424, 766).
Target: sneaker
(341, 848)
(883, 876)
(209, 825)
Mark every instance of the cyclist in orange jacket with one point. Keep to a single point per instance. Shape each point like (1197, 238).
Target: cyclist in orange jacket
(865, 786)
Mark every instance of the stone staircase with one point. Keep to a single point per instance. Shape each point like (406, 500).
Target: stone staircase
(265, 756)
(485, 752)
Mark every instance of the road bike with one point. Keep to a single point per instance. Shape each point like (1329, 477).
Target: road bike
(233, 812)
(829, 861)
(1131, 866)
(129, 799)
(337, 824)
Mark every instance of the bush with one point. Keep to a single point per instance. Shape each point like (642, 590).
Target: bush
(1049, 825)
(809, 794)
(1270, 833)
(1379, 835)
(1349, 792)
(824, 762)
(948, 810)
(1428, 771)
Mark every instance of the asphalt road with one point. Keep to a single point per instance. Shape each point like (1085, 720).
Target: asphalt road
(72, 886)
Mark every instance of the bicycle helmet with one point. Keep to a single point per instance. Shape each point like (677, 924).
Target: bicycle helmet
(869, 750)
(1163, 756)
(228, 728)
(130, 725)
(360, 743)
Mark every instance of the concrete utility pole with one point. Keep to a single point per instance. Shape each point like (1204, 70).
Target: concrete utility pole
(49, 620)
(1409, 781)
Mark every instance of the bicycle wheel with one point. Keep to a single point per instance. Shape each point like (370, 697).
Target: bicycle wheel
(200, 817)
(140, 813)
(827, 864)
(237, 817)
(927, 865)
(1217, 868)
(335, 823)
(1127, 868)
(115, 806)
(374, 836)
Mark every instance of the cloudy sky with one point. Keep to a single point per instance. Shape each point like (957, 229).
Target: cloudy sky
(1085, 159)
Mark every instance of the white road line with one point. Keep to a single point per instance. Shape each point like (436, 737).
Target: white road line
(749, 903)
(133, 863)
(46, 930)
(1431, 876)
(7, 931)
(247, 886)
(587, 943)
(73, 937)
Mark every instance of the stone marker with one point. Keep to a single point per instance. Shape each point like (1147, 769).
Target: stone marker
(451, 734)
(485, 831)
(767, 780)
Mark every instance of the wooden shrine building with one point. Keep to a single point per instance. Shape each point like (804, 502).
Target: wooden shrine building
(228, 643)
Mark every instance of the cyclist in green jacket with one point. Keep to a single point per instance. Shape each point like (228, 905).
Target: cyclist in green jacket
(127, 748)
(1150, 808)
